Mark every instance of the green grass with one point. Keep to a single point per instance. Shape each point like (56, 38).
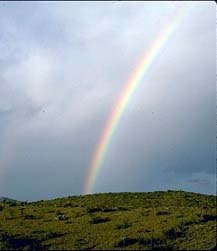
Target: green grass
(172, 220)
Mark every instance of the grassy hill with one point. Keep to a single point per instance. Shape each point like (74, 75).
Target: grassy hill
(5, 199)
(172, 220)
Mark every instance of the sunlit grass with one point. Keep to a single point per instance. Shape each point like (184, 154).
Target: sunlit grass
(160, 220)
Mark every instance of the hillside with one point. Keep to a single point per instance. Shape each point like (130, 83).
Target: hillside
(4, 199)
(172, 220)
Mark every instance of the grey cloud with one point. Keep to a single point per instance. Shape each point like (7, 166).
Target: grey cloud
(57, 162)
(199, 181)
(60, 79)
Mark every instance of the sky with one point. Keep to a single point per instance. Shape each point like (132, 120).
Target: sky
(62, 68)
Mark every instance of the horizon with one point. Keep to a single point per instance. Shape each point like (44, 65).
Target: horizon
(103, 193)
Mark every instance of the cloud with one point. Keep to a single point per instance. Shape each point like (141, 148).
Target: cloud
(199, 181)
(60, 76)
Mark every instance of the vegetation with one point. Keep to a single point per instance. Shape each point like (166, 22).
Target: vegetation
(172, 220)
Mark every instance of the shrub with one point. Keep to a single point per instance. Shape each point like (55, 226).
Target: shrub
(209, 217)
(163, 213)
(22, 210)
(106, 209)
(79, 244)
(170, 233)
(122, 208)
(189, 220)
(12, 204)
(123, 225)
(53, 235)
(179, 216)
(30, 217)
(126, 241)
(68, 222)
(20, 243)
(97, 220)
(93, 209)
(23, 203)
(60, 217)
(174, 233)
(150, 241)
(69, 204)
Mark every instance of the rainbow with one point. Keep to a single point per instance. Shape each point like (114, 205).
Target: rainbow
(126, 95)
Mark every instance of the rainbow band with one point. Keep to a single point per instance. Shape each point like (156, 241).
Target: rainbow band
(125, 96)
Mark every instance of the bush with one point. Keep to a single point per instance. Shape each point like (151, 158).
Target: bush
(122, 208)
(154, 242)
(68, 222)
(20, 243)
(106, 209)
(12, 204)
(189, 220)
(97, 220)
(163, 213)
(23, 203)
(53, 235)
(61, 217)
(81, 244)
(170, 233)
(123, 225)
(209, 217)
(69, 204)
(126, 241)
(93, 209)
(30, 217)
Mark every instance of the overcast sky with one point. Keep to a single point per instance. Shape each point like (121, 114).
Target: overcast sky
(62, 67)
